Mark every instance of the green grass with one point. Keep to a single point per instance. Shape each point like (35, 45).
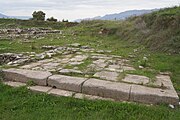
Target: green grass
(20, 104)
(84, 65)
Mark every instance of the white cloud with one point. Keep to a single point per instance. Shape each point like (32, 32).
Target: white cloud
(74, 9)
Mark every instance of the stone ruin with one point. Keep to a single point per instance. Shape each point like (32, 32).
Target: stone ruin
(57, 71)
(26, 33)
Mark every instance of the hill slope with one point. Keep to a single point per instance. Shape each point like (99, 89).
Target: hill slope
(158, 30)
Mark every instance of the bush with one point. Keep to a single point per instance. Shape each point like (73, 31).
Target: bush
(52, 19)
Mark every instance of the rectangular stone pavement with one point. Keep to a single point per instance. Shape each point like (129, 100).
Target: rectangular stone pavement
(20, 75)
(66, 82)
(107, 89)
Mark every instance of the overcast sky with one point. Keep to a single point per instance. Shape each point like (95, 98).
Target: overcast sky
(75, 9)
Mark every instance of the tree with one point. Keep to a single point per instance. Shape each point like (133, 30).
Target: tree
(65, 20)
(39, 15)
(52, 19)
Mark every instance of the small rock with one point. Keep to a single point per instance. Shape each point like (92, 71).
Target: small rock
(48, 47)
(131, 56)
(100, 51)
(49, 55)
(75, 45)
(141, 67)
(85, 47)
(171, 106)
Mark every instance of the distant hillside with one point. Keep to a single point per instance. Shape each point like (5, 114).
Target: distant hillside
(3, 16)
(125, 14)
(20, 17)
(15, 17)
(120, 16)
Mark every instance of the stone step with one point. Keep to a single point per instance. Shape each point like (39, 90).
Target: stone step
(117, 91)
(130, 92)
(66, 82)
(93, 87)
(21, 75)
(149, 95)
(56, 92)
(14, 84)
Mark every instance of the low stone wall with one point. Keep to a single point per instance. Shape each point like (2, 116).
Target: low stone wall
(106, 89)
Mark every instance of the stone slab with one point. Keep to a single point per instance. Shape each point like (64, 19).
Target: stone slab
(108, 75)
(100, 63)
(32, 65)
(153, 95)
(137, 79)
(45, 61)
(58, 92)
(70, 71)
(14, 84)
(66, 82)
(128, 68)
(21, 75)
(107, 89)
(43, 89)
(90, 97)
(75, 63)
(79, 58)
(114, 66)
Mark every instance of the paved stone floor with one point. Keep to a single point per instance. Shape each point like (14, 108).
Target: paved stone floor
(82, 71)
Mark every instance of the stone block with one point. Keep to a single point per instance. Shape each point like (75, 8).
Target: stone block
(90, 97)
(66, 82)
(58, 92)
(153, 95)
(42, 89)
(21, 75)
(107, 89)
(14, 84)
